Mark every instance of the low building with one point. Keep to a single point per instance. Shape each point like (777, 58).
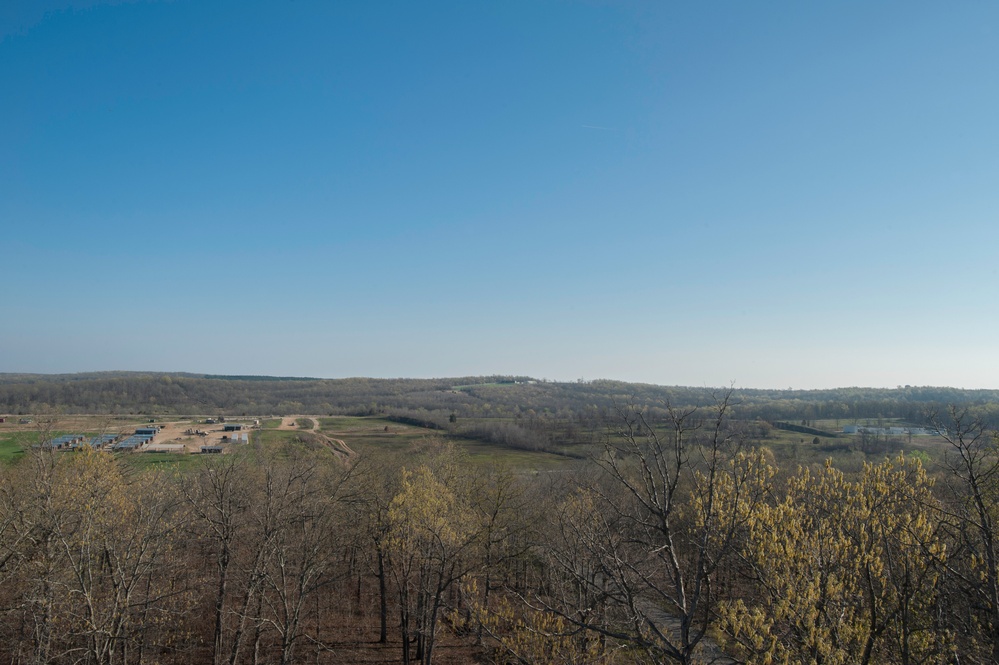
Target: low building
(64, 442)
(232, 428)
(102, 440)
(211, 450)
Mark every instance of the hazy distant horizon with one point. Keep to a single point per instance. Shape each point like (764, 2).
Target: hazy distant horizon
(766, 195)
(488, 375)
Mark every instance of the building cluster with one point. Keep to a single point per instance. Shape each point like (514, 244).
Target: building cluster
(142, 436)
(113, 442)
(143, 440)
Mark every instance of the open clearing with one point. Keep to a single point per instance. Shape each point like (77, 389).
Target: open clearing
(363, 434)
(353, 434)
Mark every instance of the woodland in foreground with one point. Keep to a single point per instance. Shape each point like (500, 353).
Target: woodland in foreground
(680, 543)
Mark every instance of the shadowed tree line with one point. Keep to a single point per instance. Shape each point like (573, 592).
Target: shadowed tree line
(680, 543)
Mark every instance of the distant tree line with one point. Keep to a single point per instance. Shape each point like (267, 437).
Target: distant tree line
(585, 403)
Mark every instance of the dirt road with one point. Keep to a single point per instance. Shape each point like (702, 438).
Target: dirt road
(291, 422)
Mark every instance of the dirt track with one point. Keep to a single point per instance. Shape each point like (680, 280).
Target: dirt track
(291, 422)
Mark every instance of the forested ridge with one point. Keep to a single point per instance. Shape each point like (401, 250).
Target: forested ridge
(481, 397)
(681, 542)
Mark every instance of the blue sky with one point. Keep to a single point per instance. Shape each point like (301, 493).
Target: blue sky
(771, 194)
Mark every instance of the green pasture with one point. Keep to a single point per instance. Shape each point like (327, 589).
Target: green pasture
(13, 444)
(490, 453)
(282, 443)
(363, 432)
(167, 461)
(847, 452)
(375, 434)
(270, 437)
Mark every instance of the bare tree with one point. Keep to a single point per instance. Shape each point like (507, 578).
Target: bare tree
(641, 554)
(219, 501)
(308, 499)
(970, 516)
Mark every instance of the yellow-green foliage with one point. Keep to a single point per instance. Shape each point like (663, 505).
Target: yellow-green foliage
(730, 499)
(536, 636)
(99, 542)
(430, 528)
(426, 514)
(846, 570)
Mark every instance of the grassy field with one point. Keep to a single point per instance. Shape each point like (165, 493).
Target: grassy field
(161, 461)
(793, 449)
(12, 445)
(371, 433)
(367, 433)
(376, 434)
(268, 437)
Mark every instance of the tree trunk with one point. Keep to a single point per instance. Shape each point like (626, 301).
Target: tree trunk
(382, 599)
(219, 605)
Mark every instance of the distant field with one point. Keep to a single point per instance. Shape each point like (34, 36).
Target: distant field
(379, 434)
(371, 433)
(267, 437)
(12, 446)
(363, 433)
(160, 460)
(487, 453)
(793, 449)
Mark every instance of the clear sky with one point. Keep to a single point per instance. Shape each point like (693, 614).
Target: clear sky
(775, 194)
